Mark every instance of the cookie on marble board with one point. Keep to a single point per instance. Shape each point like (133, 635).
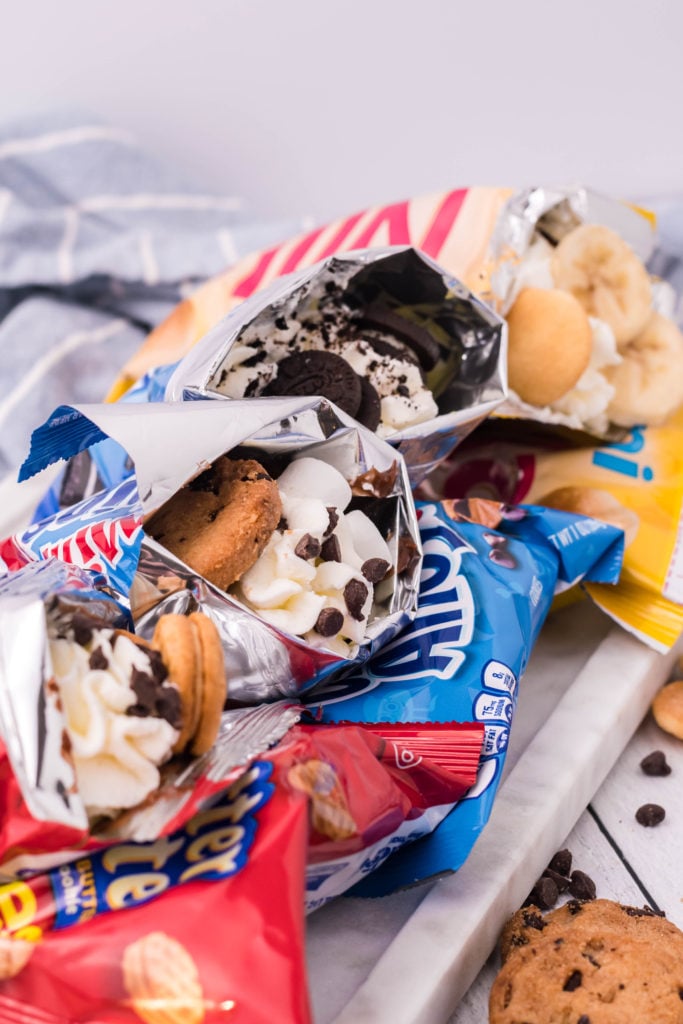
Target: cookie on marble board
(589, 963)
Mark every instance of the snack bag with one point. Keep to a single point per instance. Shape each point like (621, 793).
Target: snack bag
(204, 926)
(453, 228)
(593, 344)
(488, 579)
(106, 736)
(579, 256)
(372, 789)
(289, 524)
(635, 483)
(385, 334)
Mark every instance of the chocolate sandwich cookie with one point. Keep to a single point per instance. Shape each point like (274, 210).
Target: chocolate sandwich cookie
(414, 336)
(220, 522)
(191, 650)
(318, 373)
(594, 963)
(370, 409)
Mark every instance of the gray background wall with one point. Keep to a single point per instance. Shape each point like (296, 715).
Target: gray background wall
(322, 107)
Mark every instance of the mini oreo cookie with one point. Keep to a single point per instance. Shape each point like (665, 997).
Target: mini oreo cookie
(392, 348)
(418, 338)
(318, 373)
(370, 409)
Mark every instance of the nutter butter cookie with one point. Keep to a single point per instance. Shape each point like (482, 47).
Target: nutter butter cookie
(129, 705)
(191, 649)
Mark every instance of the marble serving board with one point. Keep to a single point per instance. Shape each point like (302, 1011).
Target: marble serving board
(409, 958)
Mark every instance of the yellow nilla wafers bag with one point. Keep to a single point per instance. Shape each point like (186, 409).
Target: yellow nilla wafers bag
(636, 483)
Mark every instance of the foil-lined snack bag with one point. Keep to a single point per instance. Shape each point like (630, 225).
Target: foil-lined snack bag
(498, 241)
(385, 334)
(593, 341)
(489, 575)
(301, 575)
(91, 717)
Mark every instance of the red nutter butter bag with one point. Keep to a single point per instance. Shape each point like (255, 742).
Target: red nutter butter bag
(372, 789)
(202, 926)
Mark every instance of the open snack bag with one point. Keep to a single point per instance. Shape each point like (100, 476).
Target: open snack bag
(288, 524)
(580, 258)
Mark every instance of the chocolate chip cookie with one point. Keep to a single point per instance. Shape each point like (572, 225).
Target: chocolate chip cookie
(589, 963)
(220, 522)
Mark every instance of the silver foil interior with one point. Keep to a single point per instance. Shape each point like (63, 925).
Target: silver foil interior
(476, 340)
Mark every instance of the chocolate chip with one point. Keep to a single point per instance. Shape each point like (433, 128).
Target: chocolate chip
(573, 982)
(280, 323)
(333, 516)
(544, 894)
(370, 409)
(582, 886)
(307, 547)
(519, 940)
(375, 569)
(168, 705)
(561, 862)
(207, 481)
(561, 881)
(318, 373)
(98, 659)
(584, 1019)
(330, 549)
(329, 622)
(591, 960)
(650, 815)
(656, 764)
(532, 920)
(82, 629)
(355, 594)
(574, 907)
(502, 558)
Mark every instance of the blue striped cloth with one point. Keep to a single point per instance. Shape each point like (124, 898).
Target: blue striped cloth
(98, 242)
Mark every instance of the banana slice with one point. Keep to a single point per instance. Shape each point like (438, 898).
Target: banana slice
(605, 275)
(648, 382)
(549, 344)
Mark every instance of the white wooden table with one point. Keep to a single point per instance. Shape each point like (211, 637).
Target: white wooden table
(420, 957)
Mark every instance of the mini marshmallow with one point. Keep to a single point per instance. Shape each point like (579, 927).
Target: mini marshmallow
(307, 476)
